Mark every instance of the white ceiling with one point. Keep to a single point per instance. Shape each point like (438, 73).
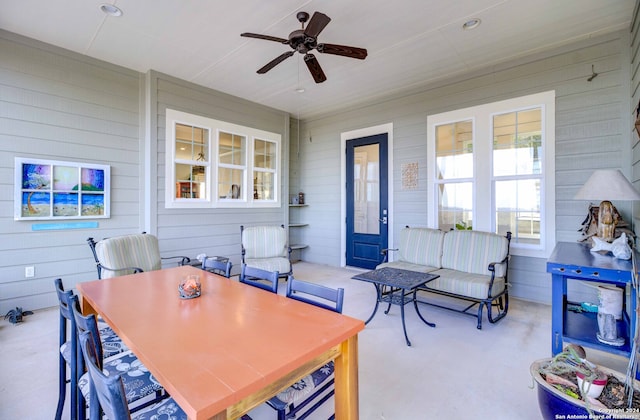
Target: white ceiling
(411, 43)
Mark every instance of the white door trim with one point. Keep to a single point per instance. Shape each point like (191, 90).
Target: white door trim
(356, 134)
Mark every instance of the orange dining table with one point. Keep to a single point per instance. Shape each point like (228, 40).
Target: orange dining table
(224, 353)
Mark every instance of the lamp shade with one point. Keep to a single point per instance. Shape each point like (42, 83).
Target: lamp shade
(607, 184)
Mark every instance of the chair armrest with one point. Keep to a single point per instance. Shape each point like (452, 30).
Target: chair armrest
(385, 252)
(183, 260)
(492, 266)
(135, 269)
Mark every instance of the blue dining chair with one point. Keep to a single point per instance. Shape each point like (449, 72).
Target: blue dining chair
(142, 389)
(217, 266)
(267, 280)
(309, 393)
(110, 395)
(68, 351)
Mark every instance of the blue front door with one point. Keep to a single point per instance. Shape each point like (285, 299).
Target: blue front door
(367, 198)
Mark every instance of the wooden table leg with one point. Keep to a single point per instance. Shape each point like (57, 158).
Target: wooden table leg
(86, 307)
(346, 380)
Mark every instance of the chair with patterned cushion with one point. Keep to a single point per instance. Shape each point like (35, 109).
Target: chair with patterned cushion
(267, 280)
(142, 389)
(217, 266)
(265, 247)
(128, 254)
(309, 393)
(111, 343)
(108, 392)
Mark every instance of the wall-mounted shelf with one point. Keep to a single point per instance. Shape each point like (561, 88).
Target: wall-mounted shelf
(294, 237)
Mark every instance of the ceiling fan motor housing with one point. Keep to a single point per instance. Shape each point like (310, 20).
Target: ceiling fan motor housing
(301, 42)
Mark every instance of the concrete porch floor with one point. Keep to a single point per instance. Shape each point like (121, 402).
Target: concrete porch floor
(453, 371)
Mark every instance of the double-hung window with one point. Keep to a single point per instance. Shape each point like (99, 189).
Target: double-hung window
(212, 163)
(491, 168)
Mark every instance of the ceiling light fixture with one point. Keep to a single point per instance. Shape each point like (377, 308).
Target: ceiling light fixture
(110, 9)
(471, 24)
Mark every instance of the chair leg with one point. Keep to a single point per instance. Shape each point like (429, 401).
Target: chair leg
(281, 414)
(62, 386)
(82, 405)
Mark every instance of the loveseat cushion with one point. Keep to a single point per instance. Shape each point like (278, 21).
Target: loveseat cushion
(473, 251)
(421, 246)
(407, 266)
(465, 284)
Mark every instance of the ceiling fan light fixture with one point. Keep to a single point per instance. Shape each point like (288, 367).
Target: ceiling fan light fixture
(111, 9)
(471, 24)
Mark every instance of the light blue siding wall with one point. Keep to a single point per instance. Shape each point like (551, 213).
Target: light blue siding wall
(62, 106)
(55, 104)
(59, 105)
(210, 231)
(591, 132)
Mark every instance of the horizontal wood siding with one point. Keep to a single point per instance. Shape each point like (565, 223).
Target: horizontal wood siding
(591, 132)
(59, 105)
(210, 231)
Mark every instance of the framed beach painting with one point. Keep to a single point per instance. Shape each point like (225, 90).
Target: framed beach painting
(53, 190)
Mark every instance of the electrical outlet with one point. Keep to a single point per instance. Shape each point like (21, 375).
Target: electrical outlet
(29, 271)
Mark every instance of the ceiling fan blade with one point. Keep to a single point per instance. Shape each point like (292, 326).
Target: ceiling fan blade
(314, 68)
(353, 52)
(317, 24)
(279, 59)
(267, 37)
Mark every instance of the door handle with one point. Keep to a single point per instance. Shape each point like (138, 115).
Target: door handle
(383, 220)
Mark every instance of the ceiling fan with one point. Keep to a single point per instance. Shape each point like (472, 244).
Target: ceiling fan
(304, 40)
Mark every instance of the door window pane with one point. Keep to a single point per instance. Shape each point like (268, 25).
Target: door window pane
(366, 200)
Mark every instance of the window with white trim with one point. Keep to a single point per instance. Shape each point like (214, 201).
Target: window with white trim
(212, 163)
(491, 168)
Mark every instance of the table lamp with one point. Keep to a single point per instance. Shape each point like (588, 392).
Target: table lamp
(605, 185)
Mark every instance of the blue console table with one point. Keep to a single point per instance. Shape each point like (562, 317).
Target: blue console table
(574, 261)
